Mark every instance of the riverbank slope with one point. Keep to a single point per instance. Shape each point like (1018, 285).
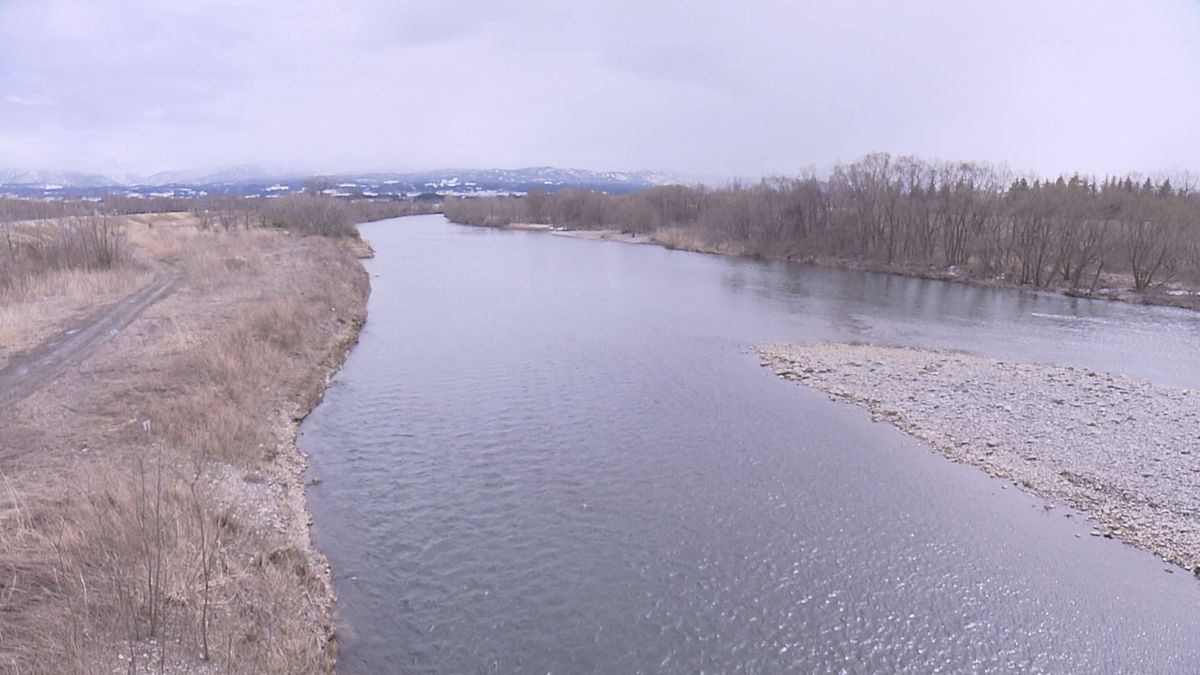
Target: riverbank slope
(1123, 451)
(153, 517)
(1116, 288)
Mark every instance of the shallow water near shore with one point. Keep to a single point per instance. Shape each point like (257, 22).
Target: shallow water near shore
(548, 454)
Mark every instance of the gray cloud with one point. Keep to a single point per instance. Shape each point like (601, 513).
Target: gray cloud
(730, 88)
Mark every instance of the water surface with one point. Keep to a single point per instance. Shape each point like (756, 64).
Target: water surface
(556, 455)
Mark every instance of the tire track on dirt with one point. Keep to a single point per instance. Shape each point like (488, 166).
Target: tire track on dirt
(38, 367)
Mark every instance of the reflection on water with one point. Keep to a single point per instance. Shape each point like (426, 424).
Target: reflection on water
(556, 455)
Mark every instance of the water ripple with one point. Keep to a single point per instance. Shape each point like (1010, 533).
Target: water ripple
(551, 455)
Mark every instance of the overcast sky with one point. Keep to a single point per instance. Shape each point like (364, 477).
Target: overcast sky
(729, 88)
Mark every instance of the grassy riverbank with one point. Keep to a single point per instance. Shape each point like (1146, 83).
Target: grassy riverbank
(152, 515)
(1124, 451)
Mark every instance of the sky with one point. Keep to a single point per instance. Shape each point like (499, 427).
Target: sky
(741, 88)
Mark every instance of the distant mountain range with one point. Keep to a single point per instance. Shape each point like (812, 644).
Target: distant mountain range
(54, 179)
(249, 181)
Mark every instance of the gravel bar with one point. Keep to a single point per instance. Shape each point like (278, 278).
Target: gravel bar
(1121, 450)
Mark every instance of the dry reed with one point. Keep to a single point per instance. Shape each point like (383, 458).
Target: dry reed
(174, 545)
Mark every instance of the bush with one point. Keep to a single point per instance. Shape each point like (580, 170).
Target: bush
(76, 243)
(312, 214)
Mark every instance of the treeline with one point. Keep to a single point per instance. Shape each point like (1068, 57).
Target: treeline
(305, 213)
(221, 211)
(907, 214)
(38, 237)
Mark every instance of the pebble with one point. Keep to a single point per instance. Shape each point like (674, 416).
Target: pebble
(992, 413)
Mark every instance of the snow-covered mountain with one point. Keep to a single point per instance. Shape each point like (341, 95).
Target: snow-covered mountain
(255, 181)
(244, 173)
(53, 179)
(516, 180)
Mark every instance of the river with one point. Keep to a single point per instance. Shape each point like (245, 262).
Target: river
(557, 455)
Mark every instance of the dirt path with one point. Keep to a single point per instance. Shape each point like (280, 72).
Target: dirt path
(27, 372)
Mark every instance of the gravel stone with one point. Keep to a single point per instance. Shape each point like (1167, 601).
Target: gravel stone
(1113, 447)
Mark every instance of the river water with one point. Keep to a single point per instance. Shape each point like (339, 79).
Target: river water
(556, 455)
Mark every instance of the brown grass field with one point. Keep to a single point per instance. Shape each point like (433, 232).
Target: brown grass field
(152, 511)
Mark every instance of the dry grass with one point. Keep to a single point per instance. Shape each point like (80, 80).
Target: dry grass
(88, 568)
(40, 306)
(163, 239)
(179, 540)
(688, 239)
(46, 285)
